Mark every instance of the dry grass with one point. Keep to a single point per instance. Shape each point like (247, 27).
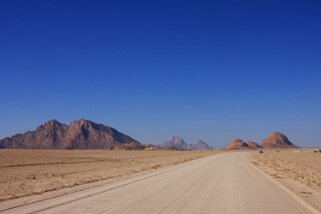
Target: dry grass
(301, 165)
(298, 169)
(30, 172)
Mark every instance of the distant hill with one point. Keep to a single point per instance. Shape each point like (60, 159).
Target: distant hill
(201, 145)
(239, 144)
(277, 140)
(81, 134)
(178, 143)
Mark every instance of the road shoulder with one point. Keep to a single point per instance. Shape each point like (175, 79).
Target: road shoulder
(301, 193)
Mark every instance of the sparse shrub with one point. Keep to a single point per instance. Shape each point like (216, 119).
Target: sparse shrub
(261, 151)
(315, 151)
(320, 150)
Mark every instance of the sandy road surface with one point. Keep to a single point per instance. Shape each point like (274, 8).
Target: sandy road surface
(224, 183)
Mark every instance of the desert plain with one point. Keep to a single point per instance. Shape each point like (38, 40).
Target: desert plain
(32, 172)
(34, 176)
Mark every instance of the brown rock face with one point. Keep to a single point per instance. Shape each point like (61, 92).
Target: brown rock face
(81, 134)
(240, 144)
(253, 145)
(277, 140)
(237, 144)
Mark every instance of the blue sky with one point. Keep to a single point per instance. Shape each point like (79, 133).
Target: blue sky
(210, 70)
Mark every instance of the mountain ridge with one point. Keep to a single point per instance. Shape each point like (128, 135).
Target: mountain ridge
(80, 134)
(178, 143)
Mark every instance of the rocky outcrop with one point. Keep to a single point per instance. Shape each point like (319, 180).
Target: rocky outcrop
(239, 144)
(254, 145)
(81, 134)
(277, 140)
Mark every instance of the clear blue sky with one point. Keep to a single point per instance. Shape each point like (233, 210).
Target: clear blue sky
(210, 70)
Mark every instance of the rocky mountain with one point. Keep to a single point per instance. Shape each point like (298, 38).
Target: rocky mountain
(81, 134)
(176, 142)
(240, 144)
(179, 144)
(277, 140)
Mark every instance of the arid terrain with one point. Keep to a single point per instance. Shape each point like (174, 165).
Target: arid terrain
(297, 169)
(31, 172)
(94, 181)
(222, 183)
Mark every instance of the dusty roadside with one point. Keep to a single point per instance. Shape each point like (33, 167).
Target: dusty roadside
(297, 169)
(55, 172)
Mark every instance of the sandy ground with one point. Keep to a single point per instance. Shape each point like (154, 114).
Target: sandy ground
(297, 169)
(223, 183)
(32, 172)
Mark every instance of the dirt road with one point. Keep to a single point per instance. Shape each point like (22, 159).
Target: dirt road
(224, 183)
